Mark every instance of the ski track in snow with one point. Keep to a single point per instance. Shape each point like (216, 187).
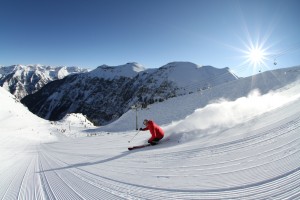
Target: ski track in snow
(224, 171)
(257, 159)
(248, 180)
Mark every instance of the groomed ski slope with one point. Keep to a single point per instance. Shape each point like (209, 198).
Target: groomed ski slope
(244, 148)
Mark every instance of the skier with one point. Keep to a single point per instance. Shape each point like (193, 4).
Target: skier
(156, 131)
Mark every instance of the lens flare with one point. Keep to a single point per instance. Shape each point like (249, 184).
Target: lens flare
(256, 56)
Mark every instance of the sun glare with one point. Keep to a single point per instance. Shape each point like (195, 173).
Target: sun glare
(256, 56)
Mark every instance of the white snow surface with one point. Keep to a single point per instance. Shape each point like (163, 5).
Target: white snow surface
(241, 142)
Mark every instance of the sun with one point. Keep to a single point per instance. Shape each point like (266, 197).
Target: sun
(256, 56)
(255, 52)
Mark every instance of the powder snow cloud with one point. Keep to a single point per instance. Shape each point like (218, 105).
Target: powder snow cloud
(223, 114)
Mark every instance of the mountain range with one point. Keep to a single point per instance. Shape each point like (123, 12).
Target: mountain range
(21, 80)
(107, 92)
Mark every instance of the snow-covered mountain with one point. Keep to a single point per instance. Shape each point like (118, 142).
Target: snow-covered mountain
(105, 93)
(22, 80)
(128, 70)
(165, 113)
(187, 77)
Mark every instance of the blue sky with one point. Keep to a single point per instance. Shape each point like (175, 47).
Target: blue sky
(89, 33)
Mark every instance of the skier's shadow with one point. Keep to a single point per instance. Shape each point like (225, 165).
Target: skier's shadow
(123, 154)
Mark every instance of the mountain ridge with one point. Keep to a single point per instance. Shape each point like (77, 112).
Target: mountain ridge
(21, 80)
(103, 95)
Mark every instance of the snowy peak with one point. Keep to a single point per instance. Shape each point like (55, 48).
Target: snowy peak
(61, 72)
(128, 70)
(22, 80)
(52, 72)
(189, 69)
(192, 77)
(180, 64)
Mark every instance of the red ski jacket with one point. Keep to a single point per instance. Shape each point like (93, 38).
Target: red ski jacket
(155, 131)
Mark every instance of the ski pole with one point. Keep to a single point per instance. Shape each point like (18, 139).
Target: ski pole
(133, 137)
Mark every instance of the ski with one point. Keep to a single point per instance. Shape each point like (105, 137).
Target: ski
(138, 147)
(146, 145)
